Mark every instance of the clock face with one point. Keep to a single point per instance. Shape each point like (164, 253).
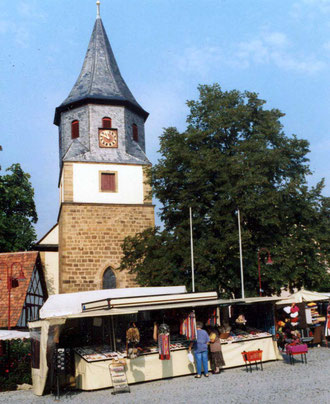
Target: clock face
(108, 138)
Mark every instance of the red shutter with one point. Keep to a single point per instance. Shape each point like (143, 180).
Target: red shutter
(75, 129)
(106, 123)
(135, 133)
(108, 182)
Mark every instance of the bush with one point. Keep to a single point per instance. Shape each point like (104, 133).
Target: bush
(18, 369)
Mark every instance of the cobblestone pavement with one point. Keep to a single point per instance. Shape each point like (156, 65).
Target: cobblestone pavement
(278, 383)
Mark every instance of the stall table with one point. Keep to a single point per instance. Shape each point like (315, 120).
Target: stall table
(95, 375)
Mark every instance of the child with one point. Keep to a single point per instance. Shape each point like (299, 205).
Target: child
(217, 360)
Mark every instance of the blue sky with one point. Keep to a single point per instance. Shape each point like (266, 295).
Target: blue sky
(164, 48)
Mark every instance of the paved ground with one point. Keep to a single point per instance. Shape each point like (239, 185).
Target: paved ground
(278, 383)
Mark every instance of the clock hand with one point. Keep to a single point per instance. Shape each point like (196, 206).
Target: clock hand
(106, 136)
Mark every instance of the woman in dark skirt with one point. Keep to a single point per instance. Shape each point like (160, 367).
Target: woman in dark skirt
(217, 360)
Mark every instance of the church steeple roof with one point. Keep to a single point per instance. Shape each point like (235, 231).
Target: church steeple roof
(100, 81)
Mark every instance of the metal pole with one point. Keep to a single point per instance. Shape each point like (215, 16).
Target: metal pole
(192, 253)
(113, 334)
(259, 274)
(240, 252)
(9, 279)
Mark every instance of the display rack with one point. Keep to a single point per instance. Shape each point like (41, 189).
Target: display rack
(118, 377)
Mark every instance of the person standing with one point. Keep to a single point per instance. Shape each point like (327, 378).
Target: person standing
(201, 350)
(217, 360)
(132, 340)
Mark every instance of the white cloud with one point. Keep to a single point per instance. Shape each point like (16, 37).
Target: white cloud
(4, 27)
(253, 51)
(22, 35)
(322, 5)
(268, 48)
(323, 145)
(277, 39)
(275, 48)
(21, 32)
(198, 60)
(18, 32)
(31, 10)
(303, 9)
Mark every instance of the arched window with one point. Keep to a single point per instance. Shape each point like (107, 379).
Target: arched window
(135, 133)
(109, 279)
(106, 122)
(74, 129)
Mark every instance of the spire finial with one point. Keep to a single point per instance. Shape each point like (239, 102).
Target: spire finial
(98, 9)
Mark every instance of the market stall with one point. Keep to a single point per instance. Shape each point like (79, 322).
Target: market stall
(304, 314)
(147, 329)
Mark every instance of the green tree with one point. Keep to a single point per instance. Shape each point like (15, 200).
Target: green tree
(233, 154)
(17, 210)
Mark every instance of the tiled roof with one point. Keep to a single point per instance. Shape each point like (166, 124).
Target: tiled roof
(100, 80)
(28, 261)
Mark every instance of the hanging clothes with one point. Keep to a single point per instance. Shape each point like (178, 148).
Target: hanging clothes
(188, 327)
(164, 342)
(327, 323)
(212, 320)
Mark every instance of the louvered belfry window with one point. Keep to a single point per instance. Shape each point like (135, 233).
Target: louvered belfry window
(74, 129)
(106, 122)
(135, 133)
(108, 182)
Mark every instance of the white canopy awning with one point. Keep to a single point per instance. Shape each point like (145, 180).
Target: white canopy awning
(67, 304)
(133, 310)
(148, 300)
(13, 334)
(304, 296)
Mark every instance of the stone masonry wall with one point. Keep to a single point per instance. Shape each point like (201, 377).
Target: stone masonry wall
(90, 238)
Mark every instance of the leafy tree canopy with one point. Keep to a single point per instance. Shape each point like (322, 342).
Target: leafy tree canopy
(17, 210)
(233, 154)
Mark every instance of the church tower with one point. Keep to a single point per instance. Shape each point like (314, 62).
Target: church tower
(103, 192)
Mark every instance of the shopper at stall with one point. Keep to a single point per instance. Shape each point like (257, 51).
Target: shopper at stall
(280, 335)
(132, 340)
(240, 322)
(201, 350)
(217, 360)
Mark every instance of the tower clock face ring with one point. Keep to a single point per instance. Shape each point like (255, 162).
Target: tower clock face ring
(108, 138)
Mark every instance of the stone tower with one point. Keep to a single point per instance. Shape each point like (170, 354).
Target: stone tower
(103, 195)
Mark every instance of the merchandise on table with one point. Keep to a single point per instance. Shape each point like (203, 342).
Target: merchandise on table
(97, 353)
(241, 335)
(316, 317)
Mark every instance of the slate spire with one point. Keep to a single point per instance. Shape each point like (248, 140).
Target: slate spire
(100, 81)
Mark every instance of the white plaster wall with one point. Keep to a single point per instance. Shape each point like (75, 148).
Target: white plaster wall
(49, 260)
(51, 237)
(86, 184)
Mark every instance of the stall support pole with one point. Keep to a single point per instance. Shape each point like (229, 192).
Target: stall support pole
(192, 253)
(113, 334)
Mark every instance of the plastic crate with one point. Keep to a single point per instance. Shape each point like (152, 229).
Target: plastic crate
(252, 357)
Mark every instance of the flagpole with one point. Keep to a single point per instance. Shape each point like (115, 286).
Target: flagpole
(192, 253)
(240, 252)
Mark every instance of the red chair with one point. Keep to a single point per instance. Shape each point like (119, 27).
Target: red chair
(299, 349)
(252, 357)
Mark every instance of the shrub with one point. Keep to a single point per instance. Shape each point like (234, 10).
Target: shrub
(15, 368)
